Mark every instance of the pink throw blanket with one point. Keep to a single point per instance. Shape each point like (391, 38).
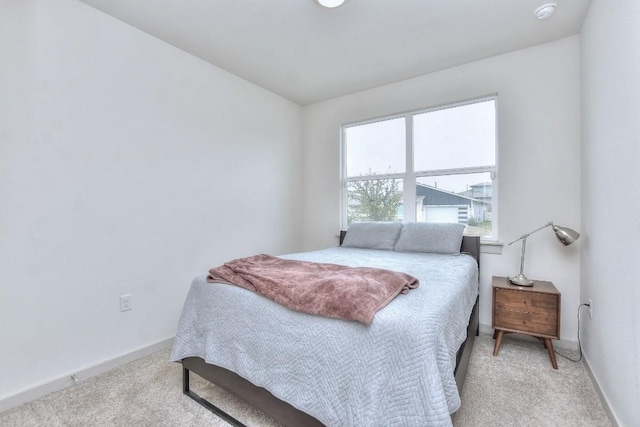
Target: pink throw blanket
(349, 293)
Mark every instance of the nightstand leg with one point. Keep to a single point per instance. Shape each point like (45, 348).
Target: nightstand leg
(552, 354)
(496, 349)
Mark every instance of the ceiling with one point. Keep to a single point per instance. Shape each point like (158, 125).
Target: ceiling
(308, 54)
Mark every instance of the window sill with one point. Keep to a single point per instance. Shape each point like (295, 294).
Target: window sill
(491, 247)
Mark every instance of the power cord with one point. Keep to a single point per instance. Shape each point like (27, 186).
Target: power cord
(579, 345)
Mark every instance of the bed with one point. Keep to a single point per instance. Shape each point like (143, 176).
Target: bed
(405, 368)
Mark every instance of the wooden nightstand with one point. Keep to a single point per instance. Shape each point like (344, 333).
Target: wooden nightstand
(532, 310)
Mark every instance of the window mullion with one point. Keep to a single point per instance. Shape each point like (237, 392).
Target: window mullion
(456, 171)
(409, 182)
(376, 176)
(343, 187)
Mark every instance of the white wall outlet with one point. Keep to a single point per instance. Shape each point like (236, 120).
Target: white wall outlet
(590, 309)
(126, 303)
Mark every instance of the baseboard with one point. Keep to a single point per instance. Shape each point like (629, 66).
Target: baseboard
(563, 344)
(47, 387)
(603, 399)
(485, 329)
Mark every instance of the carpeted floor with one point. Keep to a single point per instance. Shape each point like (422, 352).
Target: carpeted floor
(520, 388)
(517, 388)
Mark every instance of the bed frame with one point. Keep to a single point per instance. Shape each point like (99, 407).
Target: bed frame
(283, 412)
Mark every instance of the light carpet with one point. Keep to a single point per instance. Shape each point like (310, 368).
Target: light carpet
(520, 388)
(516, 388)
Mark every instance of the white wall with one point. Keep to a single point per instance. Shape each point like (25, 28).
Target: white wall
(610, 201)
(126, 166)
(539, 157)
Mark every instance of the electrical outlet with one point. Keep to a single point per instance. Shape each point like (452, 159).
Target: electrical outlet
(590, 309)
(126, 303)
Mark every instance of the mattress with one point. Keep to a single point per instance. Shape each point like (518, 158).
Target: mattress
(397, 371)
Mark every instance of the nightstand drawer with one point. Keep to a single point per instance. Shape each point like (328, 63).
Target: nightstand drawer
(526, 301)
(531, 322)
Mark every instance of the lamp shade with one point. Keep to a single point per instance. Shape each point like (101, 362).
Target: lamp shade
(566, 235)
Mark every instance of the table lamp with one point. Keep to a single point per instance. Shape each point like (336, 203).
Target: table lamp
(565, 235)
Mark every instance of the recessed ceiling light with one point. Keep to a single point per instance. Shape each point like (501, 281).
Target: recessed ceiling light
(330, 3)
(545, 11)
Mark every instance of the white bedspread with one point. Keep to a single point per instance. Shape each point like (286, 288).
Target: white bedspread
(398, 371)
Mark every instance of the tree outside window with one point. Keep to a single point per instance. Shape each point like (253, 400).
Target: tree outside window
(374, 200)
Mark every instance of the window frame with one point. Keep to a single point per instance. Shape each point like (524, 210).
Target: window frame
(410, 177)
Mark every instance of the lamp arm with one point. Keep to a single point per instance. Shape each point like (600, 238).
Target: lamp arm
(524, 236)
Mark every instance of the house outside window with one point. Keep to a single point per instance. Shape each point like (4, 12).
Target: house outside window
(441, 162)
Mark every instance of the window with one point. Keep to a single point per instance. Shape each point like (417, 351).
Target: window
(440, 162)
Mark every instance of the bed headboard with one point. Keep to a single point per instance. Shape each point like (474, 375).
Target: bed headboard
(470, 245)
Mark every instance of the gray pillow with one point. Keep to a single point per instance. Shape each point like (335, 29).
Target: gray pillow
(372, 235)
(430, 237)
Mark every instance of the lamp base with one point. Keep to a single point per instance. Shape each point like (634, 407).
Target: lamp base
(520, 280)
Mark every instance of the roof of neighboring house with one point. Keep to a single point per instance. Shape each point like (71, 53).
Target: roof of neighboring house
(480, 191)
(438, 196)
(481, 184)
